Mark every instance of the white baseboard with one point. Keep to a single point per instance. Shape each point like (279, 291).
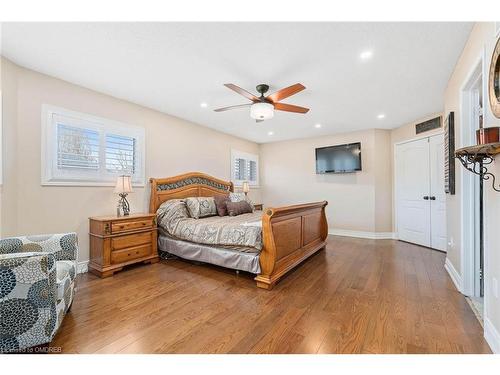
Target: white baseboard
(455, 276)
(361, 234)
(492, 336)
(83, 267)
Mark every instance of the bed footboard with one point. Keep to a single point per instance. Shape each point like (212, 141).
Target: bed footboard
(290, 235)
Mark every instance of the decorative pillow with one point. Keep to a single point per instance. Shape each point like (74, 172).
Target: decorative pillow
(238, 208)
(220, 204)
(238, 197)
(201, 207)
(170, 212)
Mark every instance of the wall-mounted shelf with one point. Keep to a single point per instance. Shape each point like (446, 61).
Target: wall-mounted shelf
(476, 159)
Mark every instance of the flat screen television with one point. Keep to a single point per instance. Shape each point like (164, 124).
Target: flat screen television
(339, 159)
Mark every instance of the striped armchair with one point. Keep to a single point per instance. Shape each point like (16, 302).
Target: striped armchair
(37, 278)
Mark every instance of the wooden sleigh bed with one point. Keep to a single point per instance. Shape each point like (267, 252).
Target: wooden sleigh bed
(289, 234)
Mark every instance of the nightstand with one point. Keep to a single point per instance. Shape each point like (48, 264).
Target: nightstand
(258, 206)
(116, 242)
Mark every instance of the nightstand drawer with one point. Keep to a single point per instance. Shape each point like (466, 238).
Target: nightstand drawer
(129, 254)
(116, 242)
(124, 226)
(131, 240)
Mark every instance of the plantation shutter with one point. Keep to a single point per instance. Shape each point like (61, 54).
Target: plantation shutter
(84, 149)
(244, 167)
(252, 171)
(120, 154)
(77, 148)
(240, 169)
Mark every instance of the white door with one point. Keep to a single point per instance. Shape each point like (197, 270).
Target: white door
(412, 192)
(437, 194)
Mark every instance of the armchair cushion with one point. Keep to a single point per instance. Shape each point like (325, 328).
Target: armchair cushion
(65, 274)
(28, 300)
(63, 245)
(37, 279)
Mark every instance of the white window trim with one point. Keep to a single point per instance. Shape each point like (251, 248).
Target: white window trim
(248, 156)
(49, 151)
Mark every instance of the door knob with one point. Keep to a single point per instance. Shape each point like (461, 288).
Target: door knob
(426, 197)
(433, 198)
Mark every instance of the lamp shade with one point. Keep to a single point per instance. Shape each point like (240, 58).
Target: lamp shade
(261, 111)
(246, 187)
(123, 185)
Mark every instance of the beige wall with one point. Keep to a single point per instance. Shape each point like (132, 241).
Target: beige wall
(173, 146)
(1, 152)
(481, 41)
(8, 191)
(356, 201)
(383, 186)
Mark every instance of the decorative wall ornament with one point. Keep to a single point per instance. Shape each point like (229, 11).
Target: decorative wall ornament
(434, 123)
(449, 154)
(477, 159)
(494, 81)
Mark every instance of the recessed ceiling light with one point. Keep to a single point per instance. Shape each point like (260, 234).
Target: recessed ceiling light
(270, 133)
(365, 55)
(317, 126)
(203, 105)
(381, 116)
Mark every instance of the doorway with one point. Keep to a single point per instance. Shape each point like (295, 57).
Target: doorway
(472, 194)
(419, 192)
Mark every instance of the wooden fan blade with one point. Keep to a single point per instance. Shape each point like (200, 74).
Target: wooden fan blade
(286, 92)
(290, 108)
(232, 107)
(241, 91)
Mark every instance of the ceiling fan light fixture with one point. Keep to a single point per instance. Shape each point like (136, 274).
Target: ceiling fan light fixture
(262, 111)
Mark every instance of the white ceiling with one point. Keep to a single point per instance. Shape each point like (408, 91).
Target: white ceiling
(173, 67)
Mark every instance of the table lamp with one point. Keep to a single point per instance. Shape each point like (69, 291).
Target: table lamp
(122, 188)
(246, 187)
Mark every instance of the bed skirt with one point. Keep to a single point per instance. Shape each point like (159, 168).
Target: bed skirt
(229, 258)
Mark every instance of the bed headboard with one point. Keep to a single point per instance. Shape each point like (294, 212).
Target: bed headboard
(192, 184)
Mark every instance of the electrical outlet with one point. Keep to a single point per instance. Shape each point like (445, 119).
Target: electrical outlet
(451, 244)
(495, 287)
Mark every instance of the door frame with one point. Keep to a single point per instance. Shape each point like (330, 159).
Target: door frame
(394, 184)
(469, 192)
(440, 190)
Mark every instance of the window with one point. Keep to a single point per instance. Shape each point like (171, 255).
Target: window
(120, 153)
(77, 148)
(244, 167)
(80, 149)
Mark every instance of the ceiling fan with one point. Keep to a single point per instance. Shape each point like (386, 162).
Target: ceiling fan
(262, 107)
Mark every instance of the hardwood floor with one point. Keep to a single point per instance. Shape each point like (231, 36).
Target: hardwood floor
(356, 296)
